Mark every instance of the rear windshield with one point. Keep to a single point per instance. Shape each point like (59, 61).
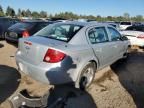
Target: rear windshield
(23, 25)
(62, 32)
(125, 23)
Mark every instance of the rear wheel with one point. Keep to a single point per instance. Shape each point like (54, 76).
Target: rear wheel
(87, 76)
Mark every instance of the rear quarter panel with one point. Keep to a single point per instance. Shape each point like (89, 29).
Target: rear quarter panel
(79, 56)
(80, 51)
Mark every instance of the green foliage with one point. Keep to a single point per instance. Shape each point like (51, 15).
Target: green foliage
(1, 11)
(28, 13)
(35, 14)
(23, 13)
(19, 13)
(66, 15)
(43, 14)
(10, 11)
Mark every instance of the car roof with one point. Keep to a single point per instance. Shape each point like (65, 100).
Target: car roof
(84, 23)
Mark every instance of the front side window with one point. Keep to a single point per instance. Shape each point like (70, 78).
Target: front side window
(115, 35)
(62, 32)
(98, 35)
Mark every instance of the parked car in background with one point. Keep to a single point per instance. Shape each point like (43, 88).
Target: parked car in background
(6, 22)
(24, 29)
(116, 25)
(135, 34)
(124, 24)
(70, 52)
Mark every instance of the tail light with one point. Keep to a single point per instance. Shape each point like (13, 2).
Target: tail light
(53, 56)
(141, 36)
(25, 34)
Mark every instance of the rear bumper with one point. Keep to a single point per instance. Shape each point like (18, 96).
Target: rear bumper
(52, 74)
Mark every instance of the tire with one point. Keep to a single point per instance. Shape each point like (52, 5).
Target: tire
(87, 76)
(126, 54)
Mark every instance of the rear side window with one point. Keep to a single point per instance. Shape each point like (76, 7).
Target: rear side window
(115, 35)
(63, 32)
(98, 35)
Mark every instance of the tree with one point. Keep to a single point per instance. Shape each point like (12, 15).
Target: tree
(109, 18)
(50, 16)
(28, 13)
(19, 13)
(23, 13)
(126, 16)
(35, 14)
(10, 11)
(43, 14)
(139, 18)
(1, 11)
(120, 18)
(98, 18)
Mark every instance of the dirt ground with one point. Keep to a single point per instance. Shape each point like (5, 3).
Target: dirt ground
(120, 86)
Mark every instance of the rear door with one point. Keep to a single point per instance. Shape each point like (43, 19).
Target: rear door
(101, 46)
(116, 42)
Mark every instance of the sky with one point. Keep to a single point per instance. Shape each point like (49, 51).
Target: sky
(84, 7)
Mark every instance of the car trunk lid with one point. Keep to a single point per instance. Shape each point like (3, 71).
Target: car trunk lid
(33, 49)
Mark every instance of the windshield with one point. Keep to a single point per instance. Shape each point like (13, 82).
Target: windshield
(136, 28)
(62, 32)
(125, 23)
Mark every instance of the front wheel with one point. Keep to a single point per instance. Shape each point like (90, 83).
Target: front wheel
(87, 76)
(126, 54)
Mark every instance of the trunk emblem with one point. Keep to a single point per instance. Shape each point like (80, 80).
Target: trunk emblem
(27, 49)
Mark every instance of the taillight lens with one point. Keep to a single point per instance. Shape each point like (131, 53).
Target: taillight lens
(141, 36)
(53, 56)
(25, 34)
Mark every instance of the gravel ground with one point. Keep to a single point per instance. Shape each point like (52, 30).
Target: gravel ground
(120, 86)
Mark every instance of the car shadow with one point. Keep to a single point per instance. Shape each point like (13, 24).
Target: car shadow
(71, 96)
(12, 43)
(131, 76)
(1, 45)
(9, 81)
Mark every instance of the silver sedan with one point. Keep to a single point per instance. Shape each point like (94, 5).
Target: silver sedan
(70, 52)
